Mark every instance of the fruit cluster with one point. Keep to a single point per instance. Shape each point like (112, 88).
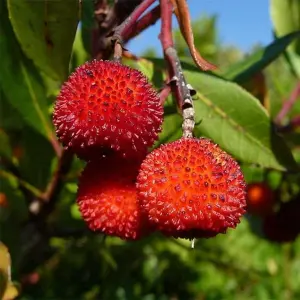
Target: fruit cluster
(279, 221)
(109, 115)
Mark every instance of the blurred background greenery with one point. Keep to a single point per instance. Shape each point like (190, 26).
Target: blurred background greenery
(53, 254)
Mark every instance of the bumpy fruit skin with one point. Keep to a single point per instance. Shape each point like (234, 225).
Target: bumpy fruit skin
(107, 199)
(190, 188)
(260, 199)
(107, 107)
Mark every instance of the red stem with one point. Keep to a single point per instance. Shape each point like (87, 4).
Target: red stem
(144, 22)
(56, 146)
(126, 28)
(166, 24)
(164, 93)
(287, 105)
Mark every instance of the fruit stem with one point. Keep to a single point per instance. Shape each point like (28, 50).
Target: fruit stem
(164, 93)
(144, 22)
(180, 88)
(125, 29)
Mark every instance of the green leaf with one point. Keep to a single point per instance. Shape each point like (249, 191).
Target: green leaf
(36, 163)
(244, 70)
(5, 149)
(286, 18)
(171, 129)
(4, 268)
(21, 83)
(87, 24)
(285, 15)
(46, 31)
(79, 55)
(235, 119)
(146, 67)
(9, 117)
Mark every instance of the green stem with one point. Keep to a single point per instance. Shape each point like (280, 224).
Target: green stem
(33, 190)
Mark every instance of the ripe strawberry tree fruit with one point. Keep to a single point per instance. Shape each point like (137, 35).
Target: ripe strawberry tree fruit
(191, 188)
(107, 107)
(107, 199)
(260, 199)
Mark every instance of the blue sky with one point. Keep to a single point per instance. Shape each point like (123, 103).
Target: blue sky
(241, 23)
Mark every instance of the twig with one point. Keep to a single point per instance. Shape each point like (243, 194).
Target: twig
(118, 52)
(180, 88)
(49, 197)
(33, 190)
(287, 105)
(164, 93)
(144, 22)
(124, 30)
(56, 146)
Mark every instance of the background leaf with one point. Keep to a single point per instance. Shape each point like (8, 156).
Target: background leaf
(286, 18)
(5, 149)
(28, 96)
(255, 62)
(285, 15)
(46, 31)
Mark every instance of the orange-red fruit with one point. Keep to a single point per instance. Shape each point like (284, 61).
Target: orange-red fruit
(107, 199)
(283, 226)
(260, 199)
(191, 188)
(3, 200)
(107, 107)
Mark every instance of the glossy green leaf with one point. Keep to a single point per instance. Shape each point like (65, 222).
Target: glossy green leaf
(5, 149)
(21, 83)
(46, 31)
(285, 15)
(235, 119)
(244, 70)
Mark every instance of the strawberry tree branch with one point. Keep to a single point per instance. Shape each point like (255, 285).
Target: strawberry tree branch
(49, 197)
(164, 93)
(24, 184)
(144, 22)
(124, 30)
(178, 83)
(287, 105)
(56, 146)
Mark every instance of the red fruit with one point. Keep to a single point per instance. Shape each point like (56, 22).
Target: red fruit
(260, 199)
(107, 199)
(105, 106)
(284, 226)
(3, 200)
(191, 188)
